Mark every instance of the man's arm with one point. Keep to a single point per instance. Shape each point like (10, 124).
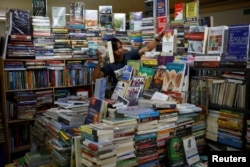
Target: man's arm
(97, 73)
(150, 46)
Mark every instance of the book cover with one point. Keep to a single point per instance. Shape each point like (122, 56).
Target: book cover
(119, 21)
(176, 152)
(110, 52)
(179, 11)
(136, 65)
(238, 43)
(76, 12)
(39, 7)
(120, 89)
(207, 21)
(157, 80)
(190, 149)
(148, 72)
(135, 20)
(132, 94)
(100, 88)
(217, 40)
(127, 73)
(91, 18)
(169, 41)
(192, 11)
(58, 16)
(173, 77)
(197, 39)
(96, 110)
(161, 23)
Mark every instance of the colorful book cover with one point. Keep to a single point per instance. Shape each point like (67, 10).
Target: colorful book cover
(105, 16)
(174, 77)
(161, 8)
(127, 73)
(119, 21)
(179, 11)
(207, 21)
(120, 89)
(192, 11)
(197, 39)
(77, 12)
(96, 110)
(190, 149)
(169, 41)
(39, 7)
(148, 72)
(176, 152)
(91, 18)
(136, 65)
(161, 23)
(157, 80)
(217, 40)
(238, 43)
(135, 20)
(132, 95)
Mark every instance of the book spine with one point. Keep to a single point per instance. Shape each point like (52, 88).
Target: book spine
(148, 115)
(65, 121)
(141, 120)
(233, 64)
(209, 64)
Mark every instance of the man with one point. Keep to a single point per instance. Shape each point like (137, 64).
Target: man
(114, 70)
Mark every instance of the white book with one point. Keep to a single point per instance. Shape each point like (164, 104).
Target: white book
(58, 16)
(217, 39)
(191, 151)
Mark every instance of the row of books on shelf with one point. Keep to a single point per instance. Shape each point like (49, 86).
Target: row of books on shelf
(42, 74)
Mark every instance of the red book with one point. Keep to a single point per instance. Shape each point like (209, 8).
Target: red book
(161, 23)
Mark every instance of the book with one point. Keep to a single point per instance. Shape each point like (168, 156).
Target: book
(100, 88)
(207, 21)
(58, 16)
(192, 11)
(39, 7)
(91, 18)
(179, 11)
(132, 94)
(217, 40)
(176, 152)
(208, 64)
(127, 73)
(173, 77)
(138, 112)
(190, 149)
(169, 41)
(238, 43)
(148, 72)
(110, 52)
(96, 111)
(197, 39)
(119, 21)
(120, 89)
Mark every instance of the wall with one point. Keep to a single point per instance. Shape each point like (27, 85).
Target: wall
(229, 17)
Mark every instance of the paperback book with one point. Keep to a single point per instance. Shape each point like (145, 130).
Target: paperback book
(169, 41)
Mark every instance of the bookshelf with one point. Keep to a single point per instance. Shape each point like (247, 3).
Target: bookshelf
(240, 104)
(16, 82)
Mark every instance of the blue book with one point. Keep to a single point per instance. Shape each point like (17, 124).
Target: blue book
(139, 112)
(127, 73)
(100, 88)
(238, 43)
